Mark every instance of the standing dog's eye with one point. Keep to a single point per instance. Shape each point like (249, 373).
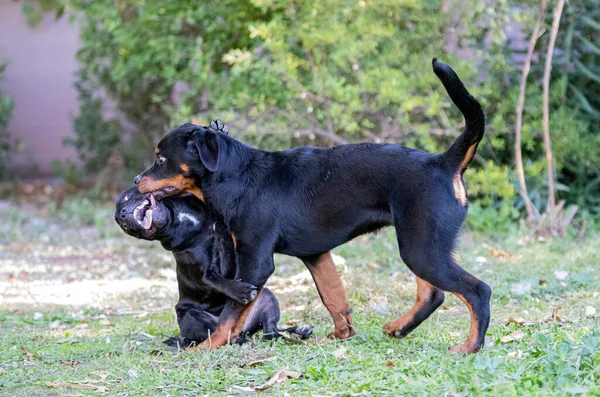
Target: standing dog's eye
(160, 160)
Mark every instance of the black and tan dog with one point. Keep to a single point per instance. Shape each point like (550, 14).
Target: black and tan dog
(203, 250)
(306, 201)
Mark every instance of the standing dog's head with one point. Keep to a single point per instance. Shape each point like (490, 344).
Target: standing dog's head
(183, 157)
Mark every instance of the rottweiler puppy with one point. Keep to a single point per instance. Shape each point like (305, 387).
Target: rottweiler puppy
(306, 201)
(203, 250)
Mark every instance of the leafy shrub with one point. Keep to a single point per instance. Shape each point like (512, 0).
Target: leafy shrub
(6, 105)
(288, 73)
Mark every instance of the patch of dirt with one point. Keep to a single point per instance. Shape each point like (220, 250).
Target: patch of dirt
(79, 268)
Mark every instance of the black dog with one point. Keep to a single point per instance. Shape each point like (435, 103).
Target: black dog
(306, 201)
(205, 263)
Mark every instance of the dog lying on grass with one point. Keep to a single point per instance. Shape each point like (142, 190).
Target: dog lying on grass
(205, 258)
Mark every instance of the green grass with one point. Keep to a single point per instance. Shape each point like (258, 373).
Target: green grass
(124, 354)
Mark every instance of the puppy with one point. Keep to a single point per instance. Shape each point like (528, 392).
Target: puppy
(205, 260)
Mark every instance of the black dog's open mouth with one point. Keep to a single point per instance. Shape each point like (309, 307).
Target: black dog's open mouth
(143, 212)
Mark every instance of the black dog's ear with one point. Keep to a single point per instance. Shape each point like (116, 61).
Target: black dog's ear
(207, 142)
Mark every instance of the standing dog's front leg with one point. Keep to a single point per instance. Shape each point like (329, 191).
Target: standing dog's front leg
(332, 293)
(254, 266)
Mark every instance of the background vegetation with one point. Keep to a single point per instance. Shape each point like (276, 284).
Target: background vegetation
(85, 308)
(285, 73)
(6, 105)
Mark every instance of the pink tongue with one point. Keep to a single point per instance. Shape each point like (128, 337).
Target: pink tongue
(147, 223)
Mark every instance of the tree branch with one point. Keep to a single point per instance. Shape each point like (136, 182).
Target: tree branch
(518, 128)
(546, 110)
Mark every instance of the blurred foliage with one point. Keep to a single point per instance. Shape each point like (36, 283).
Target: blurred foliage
(285, 73)
(575, 103)
(6, 105)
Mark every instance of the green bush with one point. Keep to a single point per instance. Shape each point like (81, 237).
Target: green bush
(314, 72)
(6, 105)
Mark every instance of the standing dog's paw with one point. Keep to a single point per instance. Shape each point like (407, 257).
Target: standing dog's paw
(243, 292)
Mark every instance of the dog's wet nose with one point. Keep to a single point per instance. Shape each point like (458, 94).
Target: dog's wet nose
(137, 179)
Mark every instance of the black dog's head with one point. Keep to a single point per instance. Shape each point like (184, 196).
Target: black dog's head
(140, 215)
(183, 157)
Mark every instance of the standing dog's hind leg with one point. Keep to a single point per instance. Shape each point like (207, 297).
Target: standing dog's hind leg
(428, 299)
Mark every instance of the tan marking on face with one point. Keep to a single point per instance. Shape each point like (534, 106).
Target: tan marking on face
(181, 183)
(185, 168)
(156, 150)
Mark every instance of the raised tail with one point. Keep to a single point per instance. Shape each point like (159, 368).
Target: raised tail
(460, 154)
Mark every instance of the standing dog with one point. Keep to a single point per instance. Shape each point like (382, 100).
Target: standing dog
(306, 201)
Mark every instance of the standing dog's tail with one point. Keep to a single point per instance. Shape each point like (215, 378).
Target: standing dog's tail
(460, 154)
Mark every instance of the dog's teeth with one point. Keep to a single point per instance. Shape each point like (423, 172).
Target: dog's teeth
(147, 220)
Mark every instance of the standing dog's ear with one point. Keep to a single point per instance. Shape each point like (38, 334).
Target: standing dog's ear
(207, 143)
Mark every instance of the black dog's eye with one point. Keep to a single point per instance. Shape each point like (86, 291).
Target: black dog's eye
(160, 160)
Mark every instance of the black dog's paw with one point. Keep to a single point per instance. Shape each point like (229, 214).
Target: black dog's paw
(301, 332)
(243, 292)
(218, 125)
(180, 343)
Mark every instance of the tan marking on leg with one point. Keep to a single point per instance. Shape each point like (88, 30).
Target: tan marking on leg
(229, 328)
(425, 292)
(333, 295)
(234, 241)
(220, 337)
(470, 346)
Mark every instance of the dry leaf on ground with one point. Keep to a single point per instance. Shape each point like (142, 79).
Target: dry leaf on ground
(75, 386)
(497, 252)
(277, 379)
(520, 321)
(554, 317)
(70, 363)
(517, 335)
(27, 352)
(256, 362)
(340, 354)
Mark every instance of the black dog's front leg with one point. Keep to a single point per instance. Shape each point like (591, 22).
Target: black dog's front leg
(254, 266)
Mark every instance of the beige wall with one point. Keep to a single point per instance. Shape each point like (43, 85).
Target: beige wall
(39, 78)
